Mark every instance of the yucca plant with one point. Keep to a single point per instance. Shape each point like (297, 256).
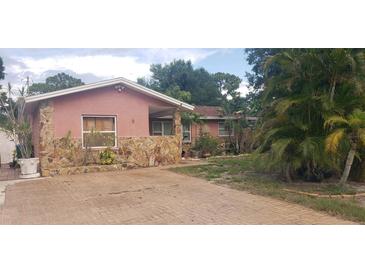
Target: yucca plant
(14, 120)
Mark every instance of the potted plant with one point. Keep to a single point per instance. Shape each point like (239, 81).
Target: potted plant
(15, 123)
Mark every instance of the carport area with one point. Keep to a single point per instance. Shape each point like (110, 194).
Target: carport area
(145, 196)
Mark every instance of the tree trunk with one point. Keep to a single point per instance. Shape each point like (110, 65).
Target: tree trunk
(237, 144)
(287, 174)
(332, 93)
(347, 169)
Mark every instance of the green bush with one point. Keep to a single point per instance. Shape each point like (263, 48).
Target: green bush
(107, 156)
(207, 144)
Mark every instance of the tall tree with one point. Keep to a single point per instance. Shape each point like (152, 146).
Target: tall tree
(252, 103)
(227, 83)
(179, 78)
(56, 82)
(256, 58)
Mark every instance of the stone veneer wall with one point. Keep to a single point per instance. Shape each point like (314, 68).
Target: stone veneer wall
(66, 155)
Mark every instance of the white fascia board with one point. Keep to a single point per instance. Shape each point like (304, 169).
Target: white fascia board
(225, 118)
(217, 118)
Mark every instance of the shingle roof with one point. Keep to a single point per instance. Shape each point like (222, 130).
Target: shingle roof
(209, 111)
(216, 113)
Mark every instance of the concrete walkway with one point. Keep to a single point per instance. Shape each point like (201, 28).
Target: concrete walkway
(5, 184)
(145, 196)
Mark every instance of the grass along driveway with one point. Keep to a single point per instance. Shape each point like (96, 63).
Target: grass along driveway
(237, 172)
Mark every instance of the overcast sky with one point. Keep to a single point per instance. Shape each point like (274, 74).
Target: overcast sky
(92, 65)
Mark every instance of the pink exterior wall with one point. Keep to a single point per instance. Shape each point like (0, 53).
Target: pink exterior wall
(210, 126)
(130, 107)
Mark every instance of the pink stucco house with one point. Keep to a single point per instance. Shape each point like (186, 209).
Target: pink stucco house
(143, 127)
(126, 117)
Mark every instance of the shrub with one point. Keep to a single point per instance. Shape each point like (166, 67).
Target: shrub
(207, 144)
(107, 156)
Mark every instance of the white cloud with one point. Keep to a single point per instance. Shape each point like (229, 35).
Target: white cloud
(107, 65)
(92, 64)
(243, 89)
(167, 55)
(103, 66)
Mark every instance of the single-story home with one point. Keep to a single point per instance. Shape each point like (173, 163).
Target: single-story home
(120, 113)
(143, 127)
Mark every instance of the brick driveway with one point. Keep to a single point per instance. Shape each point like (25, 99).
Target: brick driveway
(145, 196)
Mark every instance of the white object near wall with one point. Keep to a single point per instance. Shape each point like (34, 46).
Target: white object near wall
(29, 168)
(7, 148)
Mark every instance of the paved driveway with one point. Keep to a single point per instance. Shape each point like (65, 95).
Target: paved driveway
(145, 196)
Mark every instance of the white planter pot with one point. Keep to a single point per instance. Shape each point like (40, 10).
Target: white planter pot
(29, 168)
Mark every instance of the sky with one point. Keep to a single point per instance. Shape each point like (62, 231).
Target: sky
(91, 65)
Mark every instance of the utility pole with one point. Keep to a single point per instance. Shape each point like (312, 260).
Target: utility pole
(27, 86)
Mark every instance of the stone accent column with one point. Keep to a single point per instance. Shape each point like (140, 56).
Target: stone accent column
(46, 136)
(178, 131)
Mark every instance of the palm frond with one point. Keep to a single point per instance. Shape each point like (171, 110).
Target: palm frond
(310, 147)
(361, 136)
(335, 120)
(283, 105)
(279, 147)
(357, 119)
(334, 139)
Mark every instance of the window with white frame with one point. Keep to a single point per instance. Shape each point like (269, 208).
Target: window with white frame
(186, 132)
(224, 129)
(99, 131)
(161, 128)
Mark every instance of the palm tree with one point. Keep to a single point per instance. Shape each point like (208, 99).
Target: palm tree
(346, 130)
(291, 146)
(343, 66)
(302, 86)
(292, 135)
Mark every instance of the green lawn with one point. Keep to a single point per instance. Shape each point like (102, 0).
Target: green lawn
(237, 172)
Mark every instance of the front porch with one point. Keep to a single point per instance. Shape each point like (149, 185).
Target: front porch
(164, 121)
